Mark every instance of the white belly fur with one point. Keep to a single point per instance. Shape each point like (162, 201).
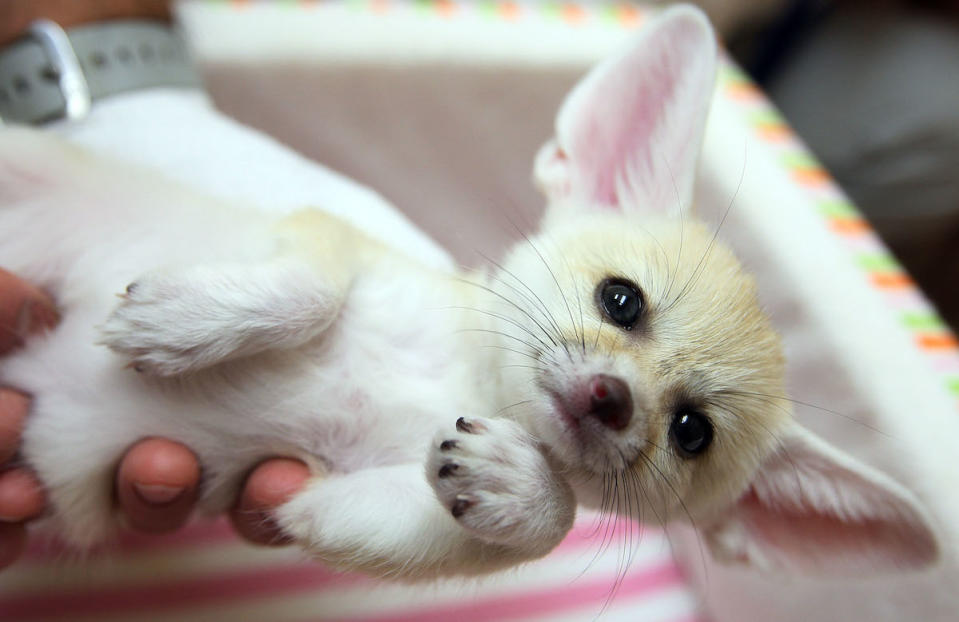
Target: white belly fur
(373, 389)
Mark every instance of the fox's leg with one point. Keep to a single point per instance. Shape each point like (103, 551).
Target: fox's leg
(183, 320)
(175, 321)
(500, 505)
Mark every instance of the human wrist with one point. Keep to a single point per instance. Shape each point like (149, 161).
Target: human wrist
(17, 15)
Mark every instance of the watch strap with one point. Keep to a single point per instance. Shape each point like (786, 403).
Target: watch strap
(50, 73)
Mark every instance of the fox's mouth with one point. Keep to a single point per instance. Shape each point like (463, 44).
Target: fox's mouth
(561, 408)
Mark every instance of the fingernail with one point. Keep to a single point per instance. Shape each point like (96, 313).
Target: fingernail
(14, 407)
(43, 316)
(35, 316)
(158, 494)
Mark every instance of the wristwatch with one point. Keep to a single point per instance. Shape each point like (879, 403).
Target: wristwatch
(51, 73)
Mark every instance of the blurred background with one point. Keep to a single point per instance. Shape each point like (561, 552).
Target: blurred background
(872, 86)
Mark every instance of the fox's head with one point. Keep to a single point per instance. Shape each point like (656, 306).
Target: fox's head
(643, 359)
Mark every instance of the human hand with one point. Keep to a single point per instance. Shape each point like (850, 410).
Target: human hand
(157, 479)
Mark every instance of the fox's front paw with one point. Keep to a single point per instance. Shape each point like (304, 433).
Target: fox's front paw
(498, 484)
(167, 325)
(174, 322)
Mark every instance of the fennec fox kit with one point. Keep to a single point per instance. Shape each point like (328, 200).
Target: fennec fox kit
(617, 360)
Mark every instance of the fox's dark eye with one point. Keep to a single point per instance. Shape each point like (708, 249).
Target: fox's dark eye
(621, 301)
(691, 431)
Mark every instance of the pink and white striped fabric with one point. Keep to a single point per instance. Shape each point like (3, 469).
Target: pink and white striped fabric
(204, 574)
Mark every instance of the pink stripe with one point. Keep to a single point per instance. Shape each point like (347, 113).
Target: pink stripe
(867, 242)
(201, 533)
(261, 583)
(572, 595)
(197, 534)
(156, 597)
(249, 583)
(210, 533)
(905, 300)
(947, 363)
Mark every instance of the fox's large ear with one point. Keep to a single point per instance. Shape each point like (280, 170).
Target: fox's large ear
(812, 508)
(629, 134)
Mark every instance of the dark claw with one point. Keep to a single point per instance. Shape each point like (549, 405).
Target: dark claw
(132, 287)
(448, 445)
(464, 426)
(460, 506)
(448, 469)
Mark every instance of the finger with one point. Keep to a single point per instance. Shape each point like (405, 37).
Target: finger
(13, 413)
(13, 538)
(157, 485)
(21, 496)
(24, 309)
(271, 484)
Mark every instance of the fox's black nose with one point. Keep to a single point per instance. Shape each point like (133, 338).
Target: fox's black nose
(610, 401)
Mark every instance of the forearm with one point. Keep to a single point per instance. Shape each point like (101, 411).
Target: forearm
(16, 15)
